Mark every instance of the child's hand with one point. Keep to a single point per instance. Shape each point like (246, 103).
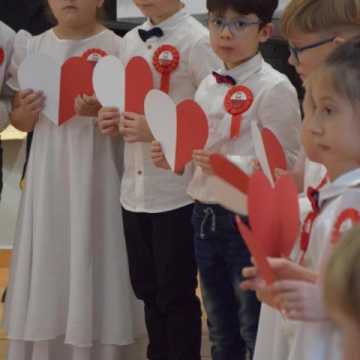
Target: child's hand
(300, 300)
(26, 107)
(158, 157)
(87, 106)
(30, 102)
(108, 121)
(202, 159)
(135, 128)
(283, 269)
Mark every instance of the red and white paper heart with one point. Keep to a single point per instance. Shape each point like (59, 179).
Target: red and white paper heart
(123, 87)
(180, 129)
(230, 184)
(274, 219)
(61, 84)
(269, 151)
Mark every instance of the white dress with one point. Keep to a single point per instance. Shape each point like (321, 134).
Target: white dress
(276, 334)
(70, 295)
(280, 339)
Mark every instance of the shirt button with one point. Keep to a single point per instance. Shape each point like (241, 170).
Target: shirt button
(139, 172)
(149, 47)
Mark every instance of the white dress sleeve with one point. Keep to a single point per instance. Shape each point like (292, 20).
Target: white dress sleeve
(21, 47)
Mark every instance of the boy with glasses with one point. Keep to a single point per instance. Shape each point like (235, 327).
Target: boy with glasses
(244, 91)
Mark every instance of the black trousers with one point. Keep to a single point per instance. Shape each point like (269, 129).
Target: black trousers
(164, 276)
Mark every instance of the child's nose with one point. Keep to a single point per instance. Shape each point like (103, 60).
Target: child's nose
(226, 32)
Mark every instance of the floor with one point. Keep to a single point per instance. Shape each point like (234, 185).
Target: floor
(135, 352)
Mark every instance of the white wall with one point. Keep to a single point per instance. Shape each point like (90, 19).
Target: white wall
(14, 155)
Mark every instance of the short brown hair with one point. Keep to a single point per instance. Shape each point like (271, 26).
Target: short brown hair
(310, 16)
(342, 277)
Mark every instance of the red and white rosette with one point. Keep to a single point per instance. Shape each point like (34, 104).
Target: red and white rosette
(345, 221)
(238, 100)
(94, 55)
(166, 60)
(2, 56)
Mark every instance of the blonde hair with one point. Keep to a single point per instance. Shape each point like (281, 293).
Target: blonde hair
(342, 277)
(317, 16)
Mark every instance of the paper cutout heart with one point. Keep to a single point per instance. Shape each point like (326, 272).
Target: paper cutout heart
(269, 151)
(124, 88)
(274, 217)
(61, 84)
(257, 252)
(180, 129)
(230, 184)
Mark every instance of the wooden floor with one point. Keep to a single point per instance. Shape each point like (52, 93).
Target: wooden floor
(135, 352)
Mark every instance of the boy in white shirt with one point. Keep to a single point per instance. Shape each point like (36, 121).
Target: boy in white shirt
(156, 209)
(244, 91)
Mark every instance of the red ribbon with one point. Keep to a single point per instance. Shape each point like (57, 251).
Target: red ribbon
(166, 66)
(237, 101)
(352, 215)
(2, 56)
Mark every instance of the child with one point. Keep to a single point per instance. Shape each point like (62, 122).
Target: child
(6, 43)
(236, 30)
(306, 32)
(69, 294)
(156, 209)
(331, 106)
(342, 291)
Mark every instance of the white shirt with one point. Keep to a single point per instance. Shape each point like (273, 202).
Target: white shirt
(146, 188)
(6, 44)
(275, 106)
(320, 339)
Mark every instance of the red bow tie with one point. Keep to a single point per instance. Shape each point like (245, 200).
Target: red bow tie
(313, 196)
(224, 79)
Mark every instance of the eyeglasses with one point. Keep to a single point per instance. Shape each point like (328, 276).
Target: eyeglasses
(296, 51)
(236, 27)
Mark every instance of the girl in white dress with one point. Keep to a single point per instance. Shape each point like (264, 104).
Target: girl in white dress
(70, 295)
(332, 125)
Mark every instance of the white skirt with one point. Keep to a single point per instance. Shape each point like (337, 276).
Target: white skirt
(69, 281)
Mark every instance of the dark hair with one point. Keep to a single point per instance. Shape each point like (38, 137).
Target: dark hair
(344, 65)
(264, 9)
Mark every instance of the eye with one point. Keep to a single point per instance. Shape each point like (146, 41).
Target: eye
(240, 24)
(218, 22)
(327, 110)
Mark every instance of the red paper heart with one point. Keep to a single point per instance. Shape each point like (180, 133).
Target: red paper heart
(229, 172)
(191, 132)
(76, 79)
(262, 208)
(289, 215)
(274, 151)
(257, 251)
(274, 214)
(138, 82)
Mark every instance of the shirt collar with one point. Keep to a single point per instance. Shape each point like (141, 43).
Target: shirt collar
(169, 24)
(242, 72)
(340, 185)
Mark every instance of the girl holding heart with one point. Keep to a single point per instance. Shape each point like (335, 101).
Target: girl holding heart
(69, 295)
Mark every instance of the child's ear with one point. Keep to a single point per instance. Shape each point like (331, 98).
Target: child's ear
(265, 32)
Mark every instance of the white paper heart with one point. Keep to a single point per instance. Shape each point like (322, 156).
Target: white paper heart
(109, 82)
(41, 73)
(261, 152)
(161, 114)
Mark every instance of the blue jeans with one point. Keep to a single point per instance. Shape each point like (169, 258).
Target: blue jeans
(221, 254)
